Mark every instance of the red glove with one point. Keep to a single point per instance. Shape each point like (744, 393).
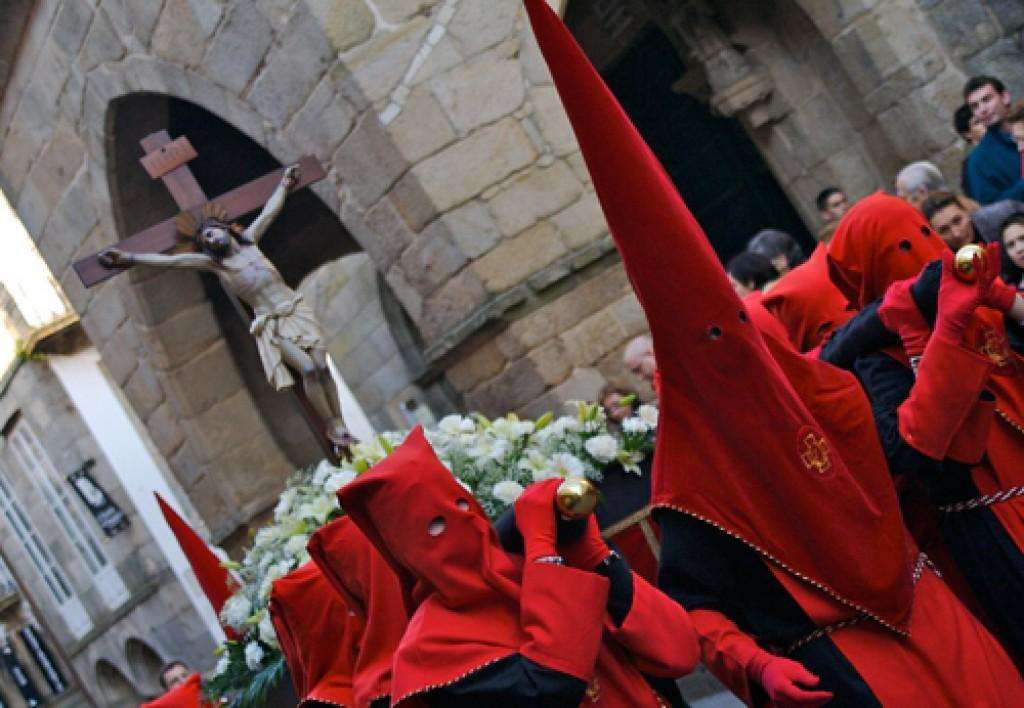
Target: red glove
(997, 294)
(586, 552)
(783, 681)
(535, 518)
(958, 300)
(900, 315)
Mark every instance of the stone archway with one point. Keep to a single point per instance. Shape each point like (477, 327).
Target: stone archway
(145, 665)
(115, 689)
(199, 386)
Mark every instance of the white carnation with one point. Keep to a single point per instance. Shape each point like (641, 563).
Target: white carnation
(635, 426)
(507, 491)
(266, 631)
(253, 656)
(236, 610)
(455, 424)
(296, 544)
(602, 448)
(564, 464)
(338, 480)
(488, 448)
(649, 414)
(284, 504)
(323, 470)
(222, 665)
(510, 429)
(318, 508)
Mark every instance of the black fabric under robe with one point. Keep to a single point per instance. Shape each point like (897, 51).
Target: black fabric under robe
(986, 555)
(516, 681)
(703, 568)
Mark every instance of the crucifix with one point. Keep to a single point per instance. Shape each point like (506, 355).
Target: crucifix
(285, 328)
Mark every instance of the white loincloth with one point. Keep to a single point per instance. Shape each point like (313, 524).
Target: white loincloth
(292, 321)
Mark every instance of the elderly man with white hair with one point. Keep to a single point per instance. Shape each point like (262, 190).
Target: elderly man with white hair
(916, 182)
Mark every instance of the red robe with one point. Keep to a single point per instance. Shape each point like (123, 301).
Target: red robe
(318, 635)
(370, 590)
(476, 605)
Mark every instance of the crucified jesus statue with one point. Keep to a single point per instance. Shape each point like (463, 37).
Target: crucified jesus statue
(285, 328)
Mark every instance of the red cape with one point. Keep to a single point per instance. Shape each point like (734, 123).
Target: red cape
(807, 303)
(772, 480)
(187, 695)
(318, 635)
(370, 589)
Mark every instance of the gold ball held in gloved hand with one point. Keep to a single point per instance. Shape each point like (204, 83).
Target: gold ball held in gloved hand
(963, 262)
(576, 498)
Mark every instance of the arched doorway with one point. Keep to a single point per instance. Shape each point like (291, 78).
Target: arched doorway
(145, 665)
(717, 168)
(229, 437)
(115, 689)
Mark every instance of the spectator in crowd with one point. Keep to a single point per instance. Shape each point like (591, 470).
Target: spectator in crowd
(639, 358)
(949, 216)
(174, 674)
(1013, 249)
(618, 402)
(967, 126)
(993, 169)
(778, 247)
(749, 272)
(916, 181)
(832, 204)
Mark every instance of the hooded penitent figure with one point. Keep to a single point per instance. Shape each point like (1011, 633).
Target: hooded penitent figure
(371, 592)
(187, 695)
(763, 522)
(955, 426)
(490, 629)
(318, 635)
(806, 302)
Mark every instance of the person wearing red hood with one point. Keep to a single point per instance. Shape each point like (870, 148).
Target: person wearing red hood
(948, 397)
(807, 303)
(318, 635)
(562, 626)
(371, 592)
(767, 532)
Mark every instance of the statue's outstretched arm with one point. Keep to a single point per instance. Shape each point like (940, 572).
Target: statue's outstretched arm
(273, 206)
(116, 258)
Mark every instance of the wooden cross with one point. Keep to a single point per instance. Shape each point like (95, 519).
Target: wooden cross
(167, 160)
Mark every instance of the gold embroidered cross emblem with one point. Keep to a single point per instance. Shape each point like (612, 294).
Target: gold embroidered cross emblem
(815, 454)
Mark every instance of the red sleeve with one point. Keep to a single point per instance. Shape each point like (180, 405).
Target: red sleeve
(971, 441)
(949, 382)
(562, 611)
(727, 652)
(658, 633)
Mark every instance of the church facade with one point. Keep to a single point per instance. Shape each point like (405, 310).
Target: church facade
(455, 254)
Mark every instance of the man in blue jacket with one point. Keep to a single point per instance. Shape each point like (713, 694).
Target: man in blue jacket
(993, 169)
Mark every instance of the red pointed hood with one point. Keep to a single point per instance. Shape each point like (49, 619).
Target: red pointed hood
(213, 578)
(186, 695)
(370, 589)
(318, 635)
(736, 446)
(807, 303)
(880, 240)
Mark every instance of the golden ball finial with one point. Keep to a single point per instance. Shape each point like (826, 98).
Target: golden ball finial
(576, 498)
(963, 262)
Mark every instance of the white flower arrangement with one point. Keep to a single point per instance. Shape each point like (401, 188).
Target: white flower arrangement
(493, 459)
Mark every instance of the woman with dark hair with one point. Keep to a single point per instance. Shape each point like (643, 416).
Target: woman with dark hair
(778, 247)
(749, 272)
(1012, 237)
